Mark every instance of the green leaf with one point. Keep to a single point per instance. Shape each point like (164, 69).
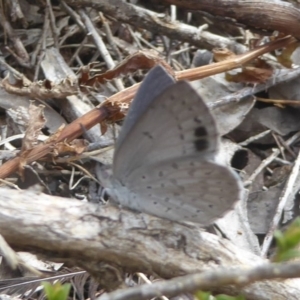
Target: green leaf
(287, 242)
(202, 295)
(286, 255)
(226, 297)
(207, 296)
(56, 291)
(280, 241)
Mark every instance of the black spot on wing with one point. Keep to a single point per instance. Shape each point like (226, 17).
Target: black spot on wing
(201, 144)
(173, 181)
(175, 166)
(148, 135)
(201, 141)
(198, 120)
(200, 132)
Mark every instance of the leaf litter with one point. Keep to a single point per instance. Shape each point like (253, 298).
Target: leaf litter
(53, 73)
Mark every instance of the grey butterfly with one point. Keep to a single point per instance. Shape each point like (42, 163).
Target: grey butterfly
(163, 162)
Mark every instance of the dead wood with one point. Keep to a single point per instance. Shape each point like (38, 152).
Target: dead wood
(108, 242)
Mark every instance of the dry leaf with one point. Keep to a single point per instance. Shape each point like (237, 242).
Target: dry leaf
(54, 137)
(117, 113)
(36, 122)
(222, 54)
(251, 75)
(41, 89)
(145, 59)
(285, 58)
(76, 147)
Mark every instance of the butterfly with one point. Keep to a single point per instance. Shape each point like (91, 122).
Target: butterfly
(164, 161)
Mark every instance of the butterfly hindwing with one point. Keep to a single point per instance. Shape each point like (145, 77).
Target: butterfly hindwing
(185, 190)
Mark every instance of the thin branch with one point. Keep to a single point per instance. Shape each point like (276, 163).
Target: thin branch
(100, 45)
(55, 32)
(41, 46)
(207, 281)
(288, 189)
(21, 54)
(73, 15)
(255, 138)
(154, 22)
(268, 15)
(269, 159)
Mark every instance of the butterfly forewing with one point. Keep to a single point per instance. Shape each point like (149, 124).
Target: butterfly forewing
(153, 85)
(177, 124)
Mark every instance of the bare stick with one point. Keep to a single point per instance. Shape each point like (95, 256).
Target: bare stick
(288, 189)
(100, 45)
(206, 281)
(268, 160)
